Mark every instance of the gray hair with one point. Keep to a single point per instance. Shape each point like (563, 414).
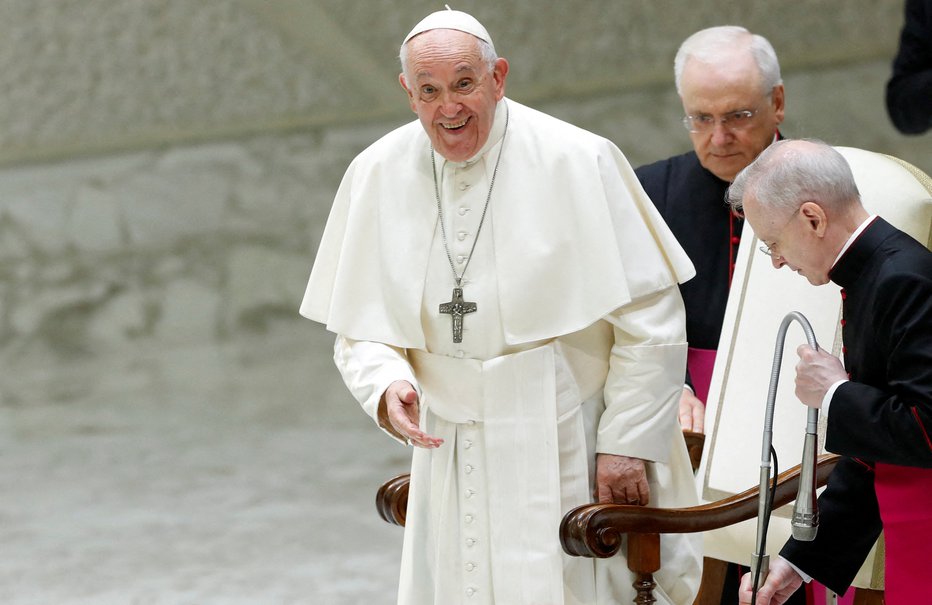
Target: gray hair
(717, 45)
(486, 51)
(788, 173)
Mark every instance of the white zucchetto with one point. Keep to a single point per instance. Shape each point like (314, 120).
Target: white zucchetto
(451, 19)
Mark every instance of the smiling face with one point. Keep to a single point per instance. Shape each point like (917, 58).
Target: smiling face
(720, 90)
(452, 91)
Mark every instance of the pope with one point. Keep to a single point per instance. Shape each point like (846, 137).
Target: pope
(505, 300)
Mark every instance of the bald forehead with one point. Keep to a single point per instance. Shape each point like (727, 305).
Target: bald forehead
(446, 45)
(737, 70)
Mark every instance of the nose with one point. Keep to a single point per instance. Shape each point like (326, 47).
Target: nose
(777, 261)
(720, 134)
(449, 104)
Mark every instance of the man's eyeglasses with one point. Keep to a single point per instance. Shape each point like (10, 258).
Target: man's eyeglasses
(768, 249)
(733, 121)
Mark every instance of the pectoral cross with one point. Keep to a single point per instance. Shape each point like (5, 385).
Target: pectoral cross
(457, 308)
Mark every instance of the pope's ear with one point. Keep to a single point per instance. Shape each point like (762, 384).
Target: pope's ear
(499, 74)
(404, 86)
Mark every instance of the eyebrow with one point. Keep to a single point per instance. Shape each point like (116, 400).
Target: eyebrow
(724, 113)
(459, 70)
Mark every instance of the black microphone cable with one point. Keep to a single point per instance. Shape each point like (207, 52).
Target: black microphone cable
(766, 524)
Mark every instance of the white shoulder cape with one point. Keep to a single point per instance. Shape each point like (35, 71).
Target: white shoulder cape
(574, 234)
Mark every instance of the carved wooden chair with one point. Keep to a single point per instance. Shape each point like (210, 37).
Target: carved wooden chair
(596, 530)
(392, 497)
(392, 502)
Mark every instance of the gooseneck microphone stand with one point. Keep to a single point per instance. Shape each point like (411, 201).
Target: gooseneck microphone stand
(805, 512)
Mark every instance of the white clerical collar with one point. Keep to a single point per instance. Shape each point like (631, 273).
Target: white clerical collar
(495, 135)
(854, 236)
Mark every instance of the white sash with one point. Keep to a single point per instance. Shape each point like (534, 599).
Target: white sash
(508, 407)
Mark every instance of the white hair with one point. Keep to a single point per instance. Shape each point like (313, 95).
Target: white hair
(717, 45)
(787, 174)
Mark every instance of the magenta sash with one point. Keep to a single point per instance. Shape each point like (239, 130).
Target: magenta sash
(905, 497)
(700, 362)
(820, 592)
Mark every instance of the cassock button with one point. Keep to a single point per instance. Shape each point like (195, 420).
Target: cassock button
(470, 566)
(467, 444)
(464, 186)
(461, 235)
(843, 322)
(469, 469)
(470, 592)
(844, 294)
(470, 541)
(844, 350)
(463, 211)
(469, 518)
(470, 493)
(460, 354)
(461, 258)
(735, 240)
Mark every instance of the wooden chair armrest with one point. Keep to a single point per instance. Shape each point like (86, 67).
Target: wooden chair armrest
(694, 443)
(392, 499)
(595, 530)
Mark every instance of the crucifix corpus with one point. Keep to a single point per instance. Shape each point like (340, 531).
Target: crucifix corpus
(457, 308)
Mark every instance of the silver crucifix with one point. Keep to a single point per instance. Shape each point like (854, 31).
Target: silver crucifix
(457, 308)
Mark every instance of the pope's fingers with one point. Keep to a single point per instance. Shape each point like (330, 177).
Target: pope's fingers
(407, 396)
(637, 492)
(603, 494)
(643, 493)
(422, 439)
(402, 392)
(413, 433)
(403, 411)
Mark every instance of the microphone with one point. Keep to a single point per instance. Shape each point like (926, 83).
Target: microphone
(806, 509)
(805, 513)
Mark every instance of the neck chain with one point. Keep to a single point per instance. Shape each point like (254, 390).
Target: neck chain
(458, 307)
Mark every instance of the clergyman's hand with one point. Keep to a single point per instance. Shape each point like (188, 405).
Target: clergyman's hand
(621, 480)
(815, 373)
(403, 410)
(692, 412)
(782, 582)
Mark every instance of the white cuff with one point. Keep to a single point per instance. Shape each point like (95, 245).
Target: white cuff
(827, 399)
(806, 577)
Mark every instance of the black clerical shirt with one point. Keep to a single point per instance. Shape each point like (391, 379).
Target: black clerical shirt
(692, 202)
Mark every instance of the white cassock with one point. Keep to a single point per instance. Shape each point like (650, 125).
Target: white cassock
(577, 346)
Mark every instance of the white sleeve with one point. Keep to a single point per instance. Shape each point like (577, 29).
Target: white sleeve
(645, 377)
(368, 368)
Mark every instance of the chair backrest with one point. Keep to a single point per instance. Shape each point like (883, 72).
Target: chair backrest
(759, 299)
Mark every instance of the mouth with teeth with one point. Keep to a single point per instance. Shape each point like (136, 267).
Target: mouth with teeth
(456, 126)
